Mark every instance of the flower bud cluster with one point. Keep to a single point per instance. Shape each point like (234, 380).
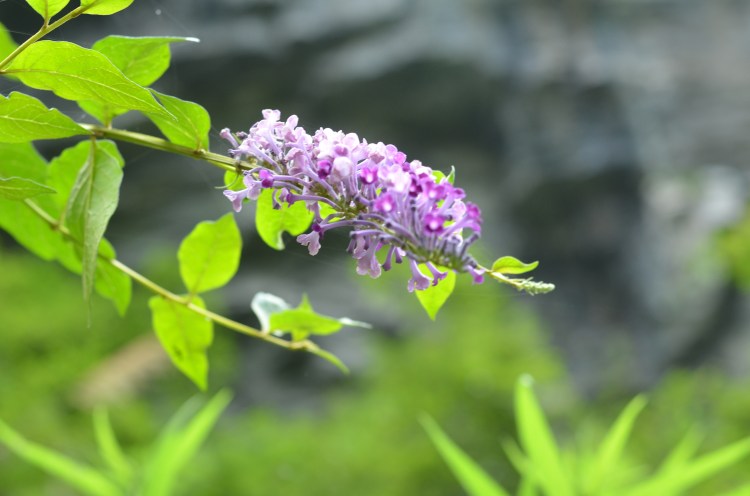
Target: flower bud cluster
(396, 209)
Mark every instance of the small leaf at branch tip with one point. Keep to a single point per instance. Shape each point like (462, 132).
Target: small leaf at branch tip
(330, 357)
(511, 265)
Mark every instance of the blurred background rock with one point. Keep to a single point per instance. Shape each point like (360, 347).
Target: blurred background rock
(607, 139)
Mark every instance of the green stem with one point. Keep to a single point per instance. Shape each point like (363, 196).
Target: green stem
(43, 31)
(221, 161)
(305, 345)
(528, 285)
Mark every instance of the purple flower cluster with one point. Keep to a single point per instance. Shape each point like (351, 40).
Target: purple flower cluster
(394, 207)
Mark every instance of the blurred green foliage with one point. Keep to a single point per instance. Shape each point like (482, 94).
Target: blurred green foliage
(734, 245)
(363, 436)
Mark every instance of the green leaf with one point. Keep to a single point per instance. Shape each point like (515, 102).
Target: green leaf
(191, 126)
(63, 170)
(440, 175)
(7, 45)
(433, 298)
(210, 255)
(179, 442)
(21, 159)
(47, 8)
(93, 200)
(537, 441)
(24, 118)
(19, 188)
(511, 265)
(470, 475)
(330, 357)
(76, 73)
(109, 448)
(608, 459)
(104, 7)
(36, 235)
(185, 335)
(78, 475)
(682, 453)
(326, 211)
(233, 181)
(303, 321)
(693, 472)
(271, 223)
(29, 230)
(142, 60)
(112, 283)
(266, 304)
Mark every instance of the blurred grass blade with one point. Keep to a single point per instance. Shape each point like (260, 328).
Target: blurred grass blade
(180, 440)
(472, 477)
(740, 491)
(682, 453)
(607, 460)
(537, 441)
(528, 485)
(110, 449)
(692, 473)
(82, 477)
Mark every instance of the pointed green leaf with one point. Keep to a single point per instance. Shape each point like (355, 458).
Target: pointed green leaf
(21, 159)
(264, 305)
(271, 223)
(82, 477)
(104, 7)
(303, 321)
(112, 283)
(682, 453)
(7, 45)
(76, 73)
(191, 124)
(185, 336)
(19, 188)
(538, 442)
(470, 475)
(24, 118)
(92, 202)
(511, 265)
(179, 442)
(29, 230)
(142, 60)
(47, 8)
(333, 359)
(608, 459)
(210, 255)
(694, 472)
(109, 447)
(433, 298)
(63, 170)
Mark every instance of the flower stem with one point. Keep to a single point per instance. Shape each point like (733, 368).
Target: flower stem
(221, 161)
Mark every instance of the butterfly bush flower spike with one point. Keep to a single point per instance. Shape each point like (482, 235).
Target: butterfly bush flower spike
(395, 209)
